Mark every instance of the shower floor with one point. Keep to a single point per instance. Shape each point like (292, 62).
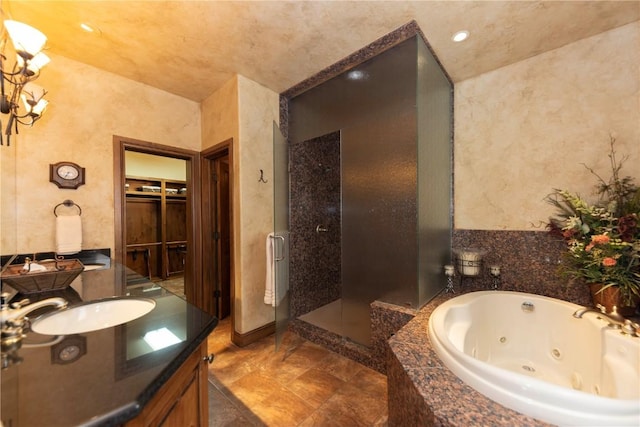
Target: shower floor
(328, 317)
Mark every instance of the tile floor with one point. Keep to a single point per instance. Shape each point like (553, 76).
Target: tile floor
(302, 384)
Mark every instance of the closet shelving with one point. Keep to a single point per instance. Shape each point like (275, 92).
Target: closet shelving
(156, 226)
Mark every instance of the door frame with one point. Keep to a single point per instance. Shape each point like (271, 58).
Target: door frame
(193, 262)
(208, 158)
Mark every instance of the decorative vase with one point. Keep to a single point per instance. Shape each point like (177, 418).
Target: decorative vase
(610, 297)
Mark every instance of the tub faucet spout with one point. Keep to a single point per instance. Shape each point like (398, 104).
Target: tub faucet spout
(600, 309)
(615, 319)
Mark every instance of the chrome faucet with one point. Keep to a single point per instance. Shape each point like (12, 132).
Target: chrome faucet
(13, 318)
(615, 319)
(18, 310)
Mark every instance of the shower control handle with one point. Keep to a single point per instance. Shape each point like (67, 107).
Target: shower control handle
(321, 229)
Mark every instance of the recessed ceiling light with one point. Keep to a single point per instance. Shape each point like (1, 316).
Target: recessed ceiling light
(460, 36)
(88, 28)
(91, 28)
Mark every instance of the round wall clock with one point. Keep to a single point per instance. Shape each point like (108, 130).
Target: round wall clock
(66, 175)
(70, 349)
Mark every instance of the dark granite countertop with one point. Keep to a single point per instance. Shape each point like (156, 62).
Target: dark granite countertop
(450, 401)
(110, 374)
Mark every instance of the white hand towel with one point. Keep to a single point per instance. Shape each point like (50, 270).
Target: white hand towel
(68, 234)
(269, 291)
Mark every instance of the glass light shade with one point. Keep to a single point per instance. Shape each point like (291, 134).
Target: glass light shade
(33, 99)
(39, 108)
(35, 64)
(27, 41)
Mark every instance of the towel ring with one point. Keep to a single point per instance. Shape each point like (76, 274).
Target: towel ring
(68, 204)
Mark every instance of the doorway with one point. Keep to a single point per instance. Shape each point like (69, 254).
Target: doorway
(155, 215)
(171, 253)
(217, 226)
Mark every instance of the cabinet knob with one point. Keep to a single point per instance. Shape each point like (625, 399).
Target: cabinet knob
(209, 358)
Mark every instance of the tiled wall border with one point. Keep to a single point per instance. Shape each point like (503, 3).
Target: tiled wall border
(529, 262)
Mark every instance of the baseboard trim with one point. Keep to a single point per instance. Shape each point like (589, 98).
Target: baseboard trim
(243, 340)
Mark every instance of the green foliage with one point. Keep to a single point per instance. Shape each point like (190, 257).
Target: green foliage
(603, 239)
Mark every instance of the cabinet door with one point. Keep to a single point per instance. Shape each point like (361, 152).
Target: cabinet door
(183, 400)
(186, 411)
(143, 222)
(176, 221)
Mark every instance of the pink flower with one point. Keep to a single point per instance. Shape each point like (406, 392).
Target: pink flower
(609, 262)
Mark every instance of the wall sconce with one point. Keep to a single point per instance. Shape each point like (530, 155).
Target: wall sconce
(15, 82)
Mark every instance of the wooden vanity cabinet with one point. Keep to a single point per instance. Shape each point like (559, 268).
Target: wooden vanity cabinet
(183, 400)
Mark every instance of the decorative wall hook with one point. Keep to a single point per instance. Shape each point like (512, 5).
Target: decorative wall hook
(262, 177)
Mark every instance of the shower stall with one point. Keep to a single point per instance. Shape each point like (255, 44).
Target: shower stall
(370, 189)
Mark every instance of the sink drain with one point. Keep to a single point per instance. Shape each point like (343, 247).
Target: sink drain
(528, 368)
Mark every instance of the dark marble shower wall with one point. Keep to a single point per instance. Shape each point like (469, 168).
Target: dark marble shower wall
(529, 262)
(315, 201)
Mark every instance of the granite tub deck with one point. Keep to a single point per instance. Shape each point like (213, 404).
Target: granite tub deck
(424, 392)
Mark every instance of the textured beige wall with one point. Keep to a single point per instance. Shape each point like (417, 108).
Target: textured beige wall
(258, 109)
(87, 107)
(524, 129)
(8, 231)
(244, 110)
(219, 123)
(220, 115)
(150, 165)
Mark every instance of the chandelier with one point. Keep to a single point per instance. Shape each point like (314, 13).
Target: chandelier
(16, 85)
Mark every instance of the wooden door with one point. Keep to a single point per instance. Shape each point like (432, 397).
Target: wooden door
(223, 234)
(217, 230)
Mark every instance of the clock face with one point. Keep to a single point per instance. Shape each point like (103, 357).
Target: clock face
(67, 172)
(66, 175)
(70, 349)
(69, 353)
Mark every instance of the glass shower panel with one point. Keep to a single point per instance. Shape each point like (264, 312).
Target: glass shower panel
(379, 207)
(379, 250)
(375, 88)
(435, 173)
(395, 180)
(280, 237)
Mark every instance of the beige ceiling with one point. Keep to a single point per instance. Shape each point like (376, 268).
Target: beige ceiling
(191, 48)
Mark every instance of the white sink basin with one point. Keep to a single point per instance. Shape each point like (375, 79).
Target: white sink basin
(92, 316)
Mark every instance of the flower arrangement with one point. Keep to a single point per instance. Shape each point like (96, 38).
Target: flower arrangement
(603, 239)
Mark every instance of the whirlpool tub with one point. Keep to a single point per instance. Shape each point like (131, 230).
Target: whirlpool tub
(528, 353)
